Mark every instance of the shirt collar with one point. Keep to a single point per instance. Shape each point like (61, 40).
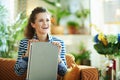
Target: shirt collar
(49, 37)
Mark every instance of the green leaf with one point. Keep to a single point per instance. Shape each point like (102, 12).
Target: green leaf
(99, 48)
(49, 2)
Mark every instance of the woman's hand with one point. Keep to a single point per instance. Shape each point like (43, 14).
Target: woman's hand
(28, 47)
(58, 44)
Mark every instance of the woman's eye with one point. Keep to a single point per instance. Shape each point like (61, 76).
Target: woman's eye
(40, 20)
(47, 20)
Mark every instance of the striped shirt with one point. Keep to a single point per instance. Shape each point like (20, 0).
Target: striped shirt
(21, 63)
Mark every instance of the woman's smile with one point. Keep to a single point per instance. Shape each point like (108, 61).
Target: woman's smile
(45, 28)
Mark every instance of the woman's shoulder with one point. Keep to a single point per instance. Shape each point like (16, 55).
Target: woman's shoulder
(24, 40)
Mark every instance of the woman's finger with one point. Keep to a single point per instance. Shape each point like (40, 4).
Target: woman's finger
(29, 42)
(58, 45)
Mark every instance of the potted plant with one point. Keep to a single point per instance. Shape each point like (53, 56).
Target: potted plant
(109, 46)
(82, 15)
(10, 33)
(83, 56)
(57, 13)
(73, 27)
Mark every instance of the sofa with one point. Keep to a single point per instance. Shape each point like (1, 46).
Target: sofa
(75, 72)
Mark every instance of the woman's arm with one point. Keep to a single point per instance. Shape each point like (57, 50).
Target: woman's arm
(21, 63)
(62, 67)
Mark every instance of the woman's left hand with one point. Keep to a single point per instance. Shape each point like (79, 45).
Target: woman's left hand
(58, 44)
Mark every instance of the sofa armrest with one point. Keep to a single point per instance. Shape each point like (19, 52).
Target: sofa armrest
(7, 70)
(83, 72)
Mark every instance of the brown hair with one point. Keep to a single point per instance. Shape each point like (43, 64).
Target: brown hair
(30, 31)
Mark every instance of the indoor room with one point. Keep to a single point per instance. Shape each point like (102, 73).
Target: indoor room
(87, 31)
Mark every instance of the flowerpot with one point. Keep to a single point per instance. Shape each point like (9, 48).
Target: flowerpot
(57, 30)
(86, 62)
(73, 30)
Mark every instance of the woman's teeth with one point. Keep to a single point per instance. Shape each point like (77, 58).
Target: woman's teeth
(45, 28)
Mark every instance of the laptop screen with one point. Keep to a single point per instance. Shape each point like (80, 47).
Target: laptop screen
(43, 61)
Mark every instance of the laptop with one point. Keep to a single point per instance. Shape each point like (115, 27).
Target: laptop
(43, 61)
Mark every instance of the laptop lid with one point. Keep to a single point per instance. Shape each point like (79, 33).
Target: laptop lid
(43, 61)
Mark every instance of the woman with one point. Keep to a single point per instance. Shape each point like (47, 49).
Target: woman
(37, 29)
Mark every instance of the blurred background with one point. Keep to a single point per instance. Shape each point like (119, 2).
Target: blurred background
(74, 21)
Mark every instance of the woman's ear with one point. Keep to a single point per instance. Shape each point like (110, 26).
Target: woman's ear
(33, 25)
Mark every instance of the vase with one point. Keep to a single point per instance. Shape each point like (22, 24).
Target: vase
(111, 72)
(73, 30)
(86, 62)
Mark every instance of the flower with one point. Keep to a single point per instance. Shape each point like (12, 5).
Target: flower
(107, 44)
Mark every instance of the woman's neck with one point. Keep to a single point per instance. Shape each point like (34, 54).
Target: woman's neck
(43, 38)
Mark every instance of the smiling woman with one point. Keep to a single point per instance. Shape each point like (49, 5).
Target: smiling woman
(42, 23)
(37, 30)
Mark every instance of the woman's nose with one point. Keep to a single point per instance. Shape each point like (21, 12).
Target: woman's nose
(45, 22)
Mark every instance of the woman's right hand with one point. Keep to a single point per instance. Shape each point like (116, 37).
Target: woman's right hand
(28, 47)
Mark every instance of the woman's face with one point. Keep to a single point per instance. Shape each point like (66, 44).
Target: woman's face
(42, 23)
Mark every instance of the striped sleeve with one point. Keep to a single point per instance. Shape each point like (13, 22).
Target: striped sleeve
(63, 52)
(62, 67)
(21, 65)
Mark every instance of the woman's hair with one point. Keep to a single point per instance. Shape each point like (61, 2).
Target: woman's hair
(30, 31)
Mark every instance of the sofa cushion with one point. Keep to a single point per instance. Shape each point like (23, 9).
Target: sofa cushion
(88, 73)
(70, 60)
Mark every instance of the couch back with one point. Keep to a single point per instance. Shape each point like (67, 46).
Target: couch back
(7, 70)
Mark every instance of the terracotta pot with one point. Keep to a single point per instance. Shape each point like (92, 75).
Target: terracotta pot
(86, 62)
(58, 30)
(73, 30)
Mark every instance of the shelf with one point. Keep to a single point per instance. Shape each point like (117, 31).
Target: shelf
(73, 41)
(74, 37)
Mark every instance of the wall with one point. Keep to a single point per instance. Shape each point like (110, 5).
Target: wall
(72, 43)
(97, 18)
(10, 6)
